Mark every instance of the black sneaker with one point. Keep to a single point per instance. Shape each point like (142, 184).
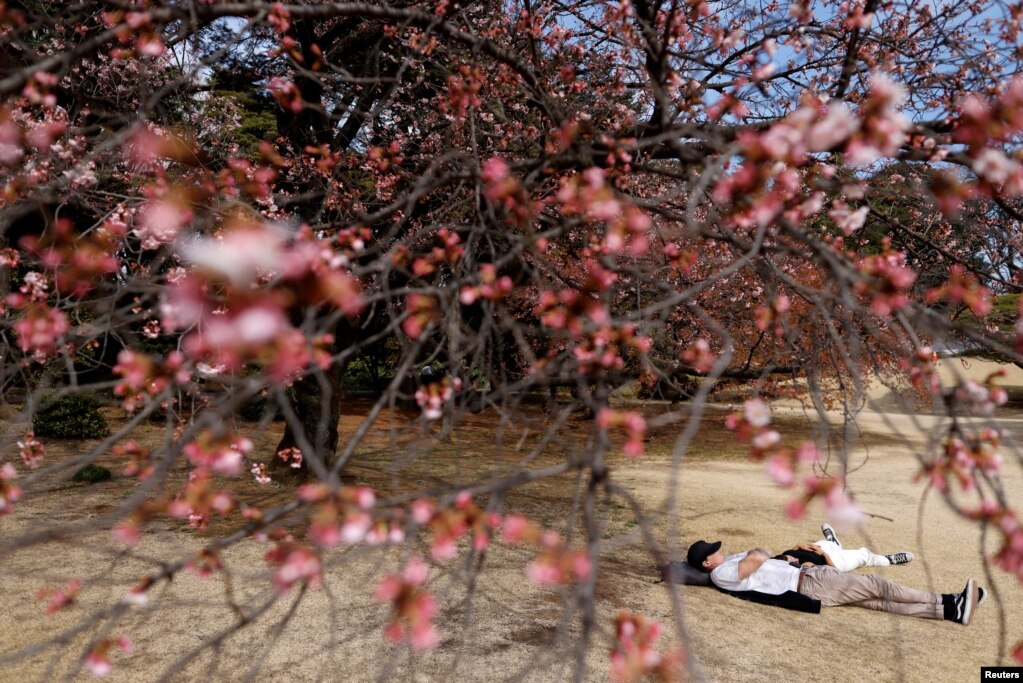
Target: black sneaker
(901, 558)
(981, 595)
(829, 534)
(966, 603)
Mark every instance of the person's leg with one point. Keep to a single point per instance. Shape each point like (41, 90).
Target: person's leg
(909, 609)
(851, 559)
(833, 587)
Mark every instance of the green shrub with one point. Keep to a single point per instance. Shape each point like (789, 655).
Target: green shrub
(75, 416)
(90, 474)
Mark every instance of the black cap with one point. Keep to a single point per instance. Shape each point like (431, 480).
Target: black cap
(700, 551)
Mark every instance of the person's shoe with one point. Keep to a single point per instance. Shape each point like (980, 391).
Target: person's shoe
(829, 534)
(965, 603)
(900, 558)
(981, 595)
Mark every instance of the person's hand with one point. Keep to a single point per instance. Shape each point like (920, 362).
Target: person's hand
(791, 560)
(812, 547)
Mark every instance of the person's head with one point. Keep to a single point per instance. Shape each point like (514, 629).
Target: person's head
(705, 556)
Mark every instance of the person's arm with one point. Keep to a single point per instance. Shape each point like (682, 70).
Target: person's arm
(752, 562)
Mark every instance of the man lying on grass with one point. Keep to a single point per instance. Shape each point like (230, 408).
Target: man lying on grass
(757, 571)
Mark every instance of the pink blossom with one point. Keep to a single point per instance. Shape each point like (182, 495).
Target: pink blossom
(160, 221)
(149, 45)
(422, 511)
(98, 664)
(756, 412)
(40, 330)
(259, 473)
(128, 532)
(32, 451)
(836, 127)
(300, 565)
(765, 439)
(240, 254)
(847, 219)
(780, 469)
(842, 511)
(993, 166)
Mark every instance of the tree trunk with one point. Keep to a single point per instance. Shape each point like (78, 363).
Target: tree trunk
(316, 401)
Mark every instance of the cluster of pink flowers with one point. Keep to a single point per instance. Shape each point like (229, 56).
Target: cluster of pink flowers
(463, 92)
(41, 331)
(9, 492)
(432, 397)
(97, 662)
(76, 262)
(882, 127)
(839, 507)
(204, 563)
(142, 377)
(412, 607)
(962, 456)
(491, 287)
(341, 516)
(450, 524)
(139, 461)
(922, 371)
(962, 288)
(286, 93)
(783, 463)
(294, 564)
(635, 656)
(137, 27)
(221, 453)
(982, 397)
(291, 456)
(589, 195)
(597, 343)
(847, 219)
(632, 422)
(556, 564)
(983, 121)
(422, 311)
(162, 219)
(32, 450)
(199, 501)
(235, 322)
(59, 598)
(772, 315)
(448, 253)
(888, 280)
(259, 472)
(503, 189)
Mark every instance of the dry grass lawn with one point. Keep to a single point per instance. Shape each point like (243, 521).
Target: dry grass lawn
(500, 626)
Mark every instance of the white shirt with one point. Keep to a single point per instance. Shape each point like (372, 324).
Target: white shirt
(774, 577)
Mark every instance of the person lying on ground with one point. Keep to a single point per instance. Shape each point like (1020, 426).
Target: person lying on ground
(755, 570)
(830, 551)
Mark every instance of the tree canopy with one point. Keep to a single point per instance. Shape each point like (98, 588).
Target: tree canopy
(212, 205)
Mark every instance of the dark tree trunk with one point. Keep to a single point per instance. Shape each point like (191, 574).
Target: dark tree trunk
(316, 402)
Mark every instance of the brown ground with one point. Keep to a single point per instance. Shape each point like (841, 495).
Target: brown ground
(510, 627)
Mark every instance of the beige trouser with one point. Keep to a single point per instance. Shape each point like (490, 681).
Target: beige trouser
(833, 588)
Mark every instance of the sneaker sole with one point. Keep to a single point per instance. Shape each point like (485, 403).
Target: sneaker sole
(971, 601)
